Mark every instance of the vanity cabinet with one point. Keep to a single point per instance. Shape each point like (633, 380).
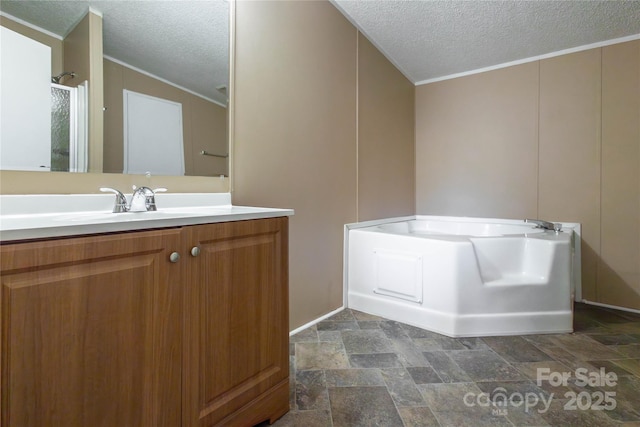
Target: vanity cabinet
(107, 330)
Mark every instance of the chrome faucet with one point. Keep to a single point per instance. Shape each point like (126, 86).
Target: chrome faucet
(142, 200)
(546, 225)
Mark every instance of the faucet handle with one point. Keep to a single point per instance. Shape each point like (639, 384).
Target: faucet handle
(121, 200)
(151, 205)
(151, 198)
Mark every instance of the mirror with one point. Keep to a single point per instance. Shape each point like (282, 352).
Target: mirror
(167, 51)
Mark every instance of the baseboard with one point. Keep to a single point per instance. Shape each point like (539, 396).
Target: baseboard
(613, 307)
(319, 319)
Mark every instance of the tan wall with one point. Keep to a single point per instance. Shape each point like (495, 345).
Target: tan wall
(619, 261)
(296, 140)
(569, 144)
(204, 123)
(83, 55)
(386, 149)
(55, 44)
(209, 129)
(19, 182)
(96, 93)
(469, 132)
(489, 145)
(77, 47)
(295, 136)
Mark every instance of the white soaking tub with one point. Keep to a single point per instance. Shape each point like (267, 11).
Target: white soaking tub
(464, 276)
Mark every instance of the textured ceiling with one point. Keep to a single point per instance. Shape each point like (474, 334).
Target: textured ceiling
(184, 42)
(431, 39)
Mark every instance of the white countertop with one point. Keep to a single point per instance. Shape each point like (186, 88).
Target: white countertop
(24, 217)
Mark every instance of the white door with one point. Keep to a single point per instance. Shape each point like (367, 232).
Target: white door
(152, 135)
(25, 103)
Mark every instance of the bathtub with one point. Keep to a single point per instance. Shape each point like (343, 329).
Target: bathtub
(464, 277)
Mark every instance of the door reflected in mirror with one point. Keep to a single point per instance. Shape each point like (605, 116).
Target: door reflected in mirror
(177, 51)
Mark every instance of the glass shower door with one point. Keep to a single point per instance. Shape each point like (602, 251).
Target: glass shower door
(61, 126)
(68, 130)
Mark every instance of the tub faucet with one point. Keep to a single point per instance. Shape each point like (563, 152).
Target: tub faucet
(546, 225)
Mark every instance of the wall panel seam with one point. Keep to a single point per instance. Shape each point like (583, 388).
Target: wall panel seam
(357, 32)
(538, 142)
(599, 249)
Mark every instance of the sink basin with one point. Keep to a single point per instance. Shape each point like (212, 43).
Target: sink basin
(164, 213)
(110, 216)
(24, 217)
(194, 210)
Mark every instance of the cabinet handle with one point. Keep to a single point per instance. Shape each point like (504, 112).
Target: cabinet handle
(195, 251)
(174, 257)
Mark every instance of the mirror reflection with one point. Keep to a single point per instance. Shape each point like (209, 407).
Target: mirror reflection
(131, 87)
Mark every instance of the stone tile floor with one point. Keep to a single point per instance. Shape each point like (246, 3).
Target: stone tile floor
(355, 369)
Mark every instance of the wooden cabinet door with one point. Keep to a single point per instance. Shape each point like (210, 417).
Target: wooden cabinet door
(92, 331)
(236, 324)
